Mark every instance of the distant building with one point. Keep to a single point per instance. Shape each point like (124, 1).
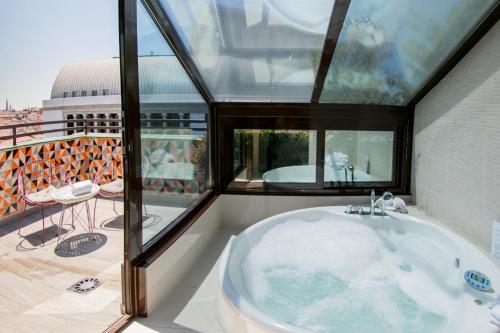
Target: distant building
(11, 116)
(8, 107)
(91, 90)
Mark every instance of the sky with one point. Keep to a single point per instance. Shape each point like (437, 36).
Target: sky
(37, 37)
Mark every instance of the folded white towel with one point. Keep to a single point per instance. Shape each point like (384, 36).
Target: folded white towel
(399, 205)
(81, 188)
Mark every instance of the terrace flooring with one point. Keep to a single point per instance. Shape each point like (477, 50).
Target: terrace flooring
(35, 280)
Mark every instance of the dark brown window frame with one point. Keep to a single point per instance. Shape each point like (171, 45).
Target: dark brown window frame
(319, 117)
(273, 113)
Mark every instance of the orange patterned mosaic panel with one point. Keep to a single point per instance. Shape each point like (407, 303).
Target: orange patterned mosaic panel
(79, 158)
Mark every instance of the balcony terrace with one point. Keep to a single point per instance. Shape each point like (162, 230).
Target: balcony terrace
(42, 298)
(37, 278)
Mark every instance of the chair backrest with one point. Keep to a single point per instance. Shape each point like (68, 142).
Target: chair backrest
(145, 165)
(106, 169)
(20, 183)
(39, 175)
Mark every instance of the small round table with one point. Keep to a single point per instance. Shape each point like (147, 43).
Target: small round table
(65, 197)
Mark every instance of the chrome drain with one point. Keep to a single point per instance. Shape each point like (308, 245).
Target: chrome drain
(86, 284)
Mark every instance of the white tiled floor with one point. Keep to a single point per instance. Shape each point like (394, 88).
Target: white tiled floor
(35, 279)
(192, 306)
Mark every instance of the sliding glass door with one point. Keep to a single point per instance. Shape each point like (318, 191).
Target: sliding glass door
(173, 131)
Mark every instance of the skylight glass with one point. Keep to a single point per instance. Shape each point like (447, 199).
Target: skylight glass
(254, 50)
(388, 50)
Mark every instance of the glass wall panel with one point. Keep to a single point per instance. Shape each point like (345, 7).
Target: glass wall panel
(389, 49)
(173, 132)
(358, 156)
(254, 50)
(274, 156)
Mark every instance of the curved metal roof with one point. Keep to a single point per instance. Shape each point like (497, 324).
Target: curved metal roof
(157, 75)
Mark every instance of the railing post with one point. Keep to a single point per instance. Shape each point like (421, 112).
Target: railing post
(14, 136)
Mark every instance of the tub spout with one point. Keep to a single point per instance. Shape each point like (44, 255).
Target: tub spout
(372, 202)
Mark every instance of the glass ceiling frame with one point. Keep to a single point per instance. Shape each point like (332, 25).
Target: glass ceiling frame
(339, 13)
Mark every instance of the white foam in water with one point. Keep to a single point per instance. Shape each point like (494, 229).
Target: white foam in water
(341, 276)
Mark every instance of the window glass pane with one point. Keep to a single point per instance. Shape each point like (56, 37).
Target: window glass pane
(388, 50)
(358, 156)
(275, 156)
(173, 132)
(254, 50)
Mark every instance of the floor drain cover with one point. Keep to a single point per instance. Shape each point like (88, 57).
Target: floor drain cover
(86, 284)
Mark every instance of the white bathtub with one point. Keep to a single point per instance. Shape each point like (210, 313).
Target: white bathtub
(307, 174)
(239, 312)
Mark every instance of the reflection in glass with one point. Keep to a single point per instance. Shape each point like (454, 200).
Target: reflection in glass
(275, 156)
(388, 50)
(254, 50)
(173, 124)
(358, 156)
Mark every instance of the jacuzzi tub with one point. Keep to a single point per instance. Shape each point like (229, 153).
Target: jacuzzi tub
(307, 174)
(321, 270)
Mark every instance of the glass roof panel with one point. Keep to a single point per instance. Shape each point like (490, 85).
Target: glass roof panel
(254, 50)
(388, 50)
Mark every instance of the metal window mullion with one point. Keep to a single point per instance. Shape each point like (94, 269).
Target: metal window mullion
(337, 18)
(172, 37)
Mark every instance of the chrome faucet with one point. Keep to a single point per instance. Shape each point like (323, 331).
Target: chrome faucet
(351, 169)
(351, 209)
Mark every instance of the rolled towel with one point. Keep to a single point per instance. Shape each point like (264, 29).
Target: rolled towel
(396, 204)
(399, 205)
(81, 188)
(495, 322)
(495, 313)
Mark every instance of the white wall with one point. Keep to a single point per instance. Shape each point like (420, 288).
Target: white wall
(378, 147)
(52, 116)
(58, 108)
(375, 145)
(241, 211)
(456, 173)
(165, 273)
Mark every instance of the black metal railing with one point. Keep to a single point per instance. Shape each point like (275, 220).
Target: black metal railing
(150, 123)
(69, 127)
(95, 125)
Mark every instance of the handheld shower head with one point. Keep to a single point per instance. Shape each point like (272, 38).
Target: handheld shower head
(387, 196)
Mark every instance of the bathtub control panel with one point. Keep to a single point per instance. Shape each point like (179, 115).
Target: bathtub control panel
(477, 280)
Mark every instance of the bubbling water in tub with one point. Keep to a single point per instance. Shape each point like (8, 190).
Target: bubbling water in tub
(342, 276)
